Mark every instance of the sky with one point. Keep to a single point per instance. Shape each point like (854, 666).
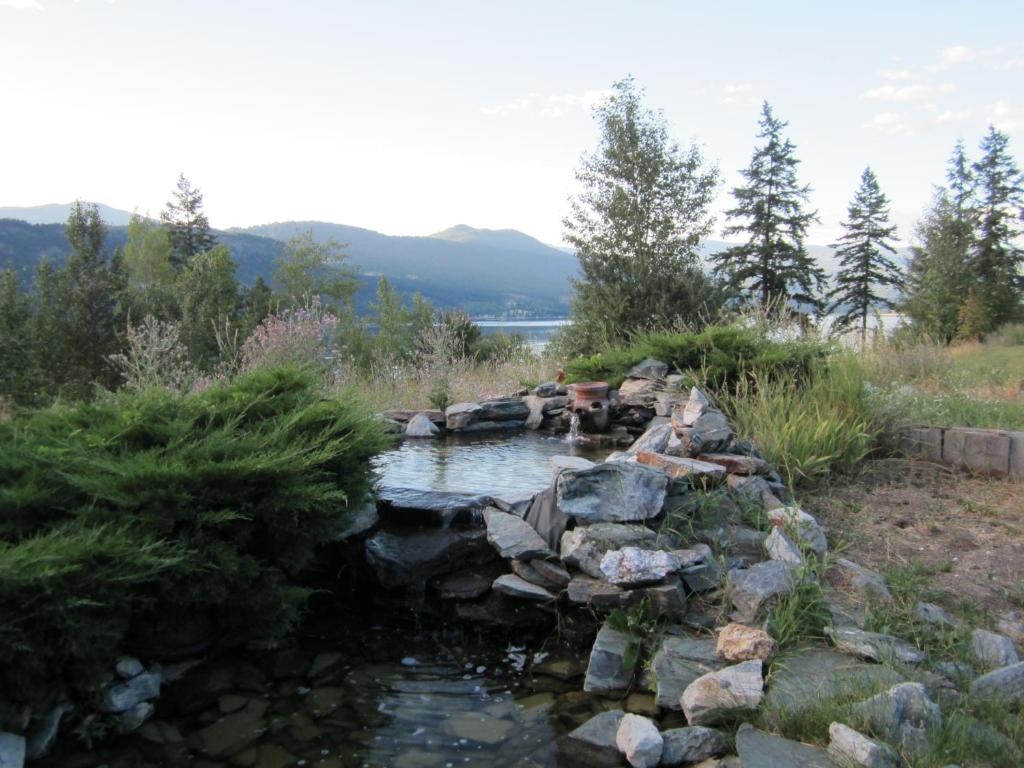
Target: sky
(409, 117)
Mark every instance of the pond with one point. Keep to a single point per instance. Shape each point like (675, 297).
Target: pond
(488, 463)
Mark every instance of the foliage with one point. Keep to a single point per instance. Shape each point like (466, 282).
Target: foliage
(123, 518)
(307, 269)
(772, 266)
(149, 271)
(864, 267)
(399, 325)
(635, 224)
(208, 298)
(299, 336)
(187, 225)
(801, 614)
(154, 357)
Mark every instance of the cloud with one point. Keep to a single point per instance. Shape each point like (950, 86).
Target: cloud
(554, 105)
(957, 54)
(893, 123)
(898, 74)
(1006, 117)
(952, 116)
(516, 105)
(22, 5)
(914, 92)
(737, 91)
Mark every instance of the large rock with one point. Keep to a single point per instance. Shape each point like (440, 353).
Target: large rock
(232, 733)
(711, 696)
(504, 409)
(420, 425)
(992, 650)
(679, 661)
(639, 392)
(606, 672)
(903, 715)
(43, 735)
(874, 646)
(516, 586)
(640, 741)
(847, 746)
(737, 642)
(698, 474)
(758, 749)
(868, 585)
(802, 525)
(542, 573)
(648, 369)
(737, 464)
(634, 567)
(654, 440)
(687, 414)
(123, 696)
(709, 433)
(666, 600)
(686, 746)
(416, 506)
(594, 742)
(408, 559)
(753, 590)
(12, 750)
(612, 493)
(1005, 684)
(512, 537)
(780, 547)
(461, 415)
(584, 547)
(356, 523)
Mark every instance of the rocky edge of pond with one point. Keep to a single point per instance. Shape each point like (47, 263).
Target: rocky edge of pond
(595, 546)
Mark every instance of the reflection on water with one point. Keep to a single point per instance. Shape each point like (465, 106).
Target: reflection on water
(490, 463)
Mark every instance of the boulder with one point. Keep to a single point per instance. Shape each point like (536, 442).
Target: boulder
(648, 369)
(12, 750)
(516, 586)
(737, 642)
(43, 735)
(420, 425)
(357, 522)
(594, 742)
(903, 715)
(693, 409)
(639, 392)
(121, 697)
(931, 613)
(584, 547)
(754, 589)
(654, 440)
(849, 747)
(709, 697)
(685, 746)
(867, 584)
(874, 646)
(416, 506)
(408, 559)
(503, 409)
(698, 474)
(606, 672)
(461, 415)
(709, 433)
(992, 650)
(611, 493)
(512, 537)
(640, 741)
(737, 464)
(467, 584)
(758, 749)
(797, 522)
(780, 547)
(634, 567)
(1005, 684)
(558, 463)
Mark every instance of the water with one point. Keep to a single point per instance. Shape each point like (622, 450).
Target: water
(536, 333)
(480, 464)
(574, 428)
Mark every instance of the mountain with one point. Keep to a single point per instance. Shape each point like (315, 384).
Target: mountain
(57, 213)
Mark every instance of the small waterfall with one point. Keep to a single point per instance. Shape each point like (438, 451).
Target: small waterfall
(574, 428)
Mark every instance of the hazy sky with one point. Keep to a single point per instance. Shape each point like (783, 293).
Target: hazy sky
(409, 117)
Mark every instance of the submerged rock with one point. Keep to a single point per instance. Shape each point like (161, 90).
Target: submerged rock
(12, 750)
(612, 493)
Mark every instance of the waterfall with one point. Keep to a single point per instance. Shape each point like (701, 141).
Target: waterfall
(574, 428)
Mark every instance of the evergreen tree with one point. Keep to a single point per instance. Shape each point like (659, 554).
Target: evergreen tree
(149, 271)
(961, 186)
(209, 299)
(773, 266)
(186, 223)
(15, 371)
(46, 340)
(995, 258)
(864, 266)
(636, 223)
(257, 303)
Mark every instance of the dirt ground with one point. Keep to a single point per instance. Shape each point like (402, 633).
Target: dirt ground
(968, 532)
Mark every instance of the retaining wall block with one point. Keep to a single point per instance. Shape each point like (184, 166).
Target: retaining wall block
(923, 443)
(1016, 455)
(982, 451)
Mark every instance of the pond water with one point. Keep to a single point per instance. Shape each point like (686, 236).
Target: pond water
(490, 463)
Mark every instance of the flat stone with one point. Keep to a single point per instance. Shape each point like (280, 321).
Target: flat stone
(514, 503)
(594, 742)
(666, 600)
(123, 696)
(679, 661)
(410, 559)
(515, 586)
(231, 734)
(1005, 684)
(847, 746)
(555, 575)
(494, 426)
(648, 369)
(698, 474)
(467, 584)
(923, 443)
(903, 715)
(437, 417)
(461, 415)
(874, 646)
(605, 671)
(709, 697)
(753, 590)
(694, 555)
(479, 727)
(634, 567)
(685, 746)
(867, 584)
(797, 522)
(503, 409)
(737, 642)
(758, 749)
(640, 741)
(12, 750)
(612, 493)
(415, 506)
(654, 440)
(559, 463)
(585, 546)
(513, 537)
(357, 522)
(780, 547)
(737, 464)
(992, 650)
(420, 425)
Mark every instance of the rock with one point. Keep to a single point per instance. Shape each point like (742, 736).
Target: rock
(546, 518)
(515, 586)
(703, 577)
(666, 600)
(648, 369)
(634, 567)
(868, 584)
(1011, 624)
(128, 667)
(549, 389)
(559, 463)
(693, 409)
(409, 560)
(233, 733)
(709, 697)
(698, 553)
(494, 426)
(640, 741)
(641, 393)
(12, 750)
(584, 547)
(514, 503)
(420, 425)
(503, 409)
(358, 522)
(697, 474)
(415, 506)
(1005, 684)
(274, 756)
(710, 433)
(758, 749)
(847, 746)
(501, 611)
(781, 547)
(611, 493)
(685, 746)
(654, 440)
(131, 720)
(754, 589)
(479, 727)
(594, 742)
(934, 614)
(44, 735)
(606, 672)
(469, 583)
(512, 537)
(737, 464)
(797, 522)
(123, 696)
(599, 595)
(874, 646)
(738, 540)
(461, 415)
(555, 575)
(737, 642)
(903, 715)
(403, 417)
(992, 650)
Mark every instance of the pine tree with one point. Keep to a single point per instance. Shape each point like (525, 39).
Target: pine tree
(995, 258)
(864, 267)
(961, 185)
(186, 223)
(773, 266)
(635, 224)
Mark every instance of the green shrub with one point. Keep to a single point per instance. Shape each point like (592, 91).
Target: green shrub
(122, 518)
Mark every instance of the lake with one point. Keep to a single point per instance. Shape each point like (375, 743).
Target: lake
(536, 333)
